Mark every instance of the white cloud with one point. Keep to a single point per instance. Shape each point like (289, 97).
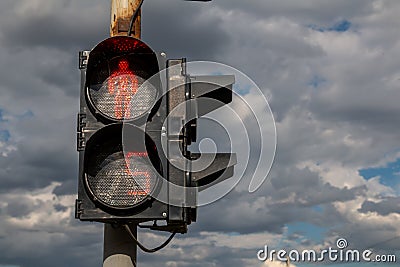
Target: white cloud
(277, 264)
(6, 149)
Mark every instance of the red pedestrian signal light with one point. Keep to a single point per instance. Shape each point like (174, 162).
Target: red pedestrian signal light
(115, 79)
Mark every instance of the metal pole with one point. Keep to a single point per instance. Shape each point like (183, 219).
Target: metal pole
(119, 248)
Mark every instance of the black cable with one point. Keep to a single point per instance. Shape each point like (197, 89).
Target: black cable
(134, 17)
(144, 248)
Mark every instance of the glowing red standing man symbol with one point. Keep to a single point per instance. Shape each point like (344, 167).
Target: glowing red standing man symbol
(123, 84)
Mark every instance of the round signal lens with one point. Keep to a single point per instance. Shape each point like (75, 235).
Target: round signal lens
(123, 95)
(121, 176)
(123, 182)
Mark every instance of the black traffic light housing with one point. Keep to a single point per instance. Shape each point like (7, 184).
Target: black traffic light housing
(120, 164)
(128, 118)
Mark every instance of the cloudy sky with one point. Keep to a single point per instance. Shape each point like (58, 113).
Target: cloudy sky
(329, 68)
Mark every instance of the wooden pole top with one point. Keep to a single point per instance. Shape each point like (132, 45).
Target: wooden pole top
(121, 14)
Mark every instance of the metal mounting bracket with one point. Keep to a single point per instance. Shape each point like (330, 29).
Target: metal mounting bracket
(83, 59)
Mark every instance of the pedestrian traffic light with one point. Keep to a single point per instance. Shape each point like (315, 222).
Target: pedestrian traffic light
(120, 163)
(137, 119)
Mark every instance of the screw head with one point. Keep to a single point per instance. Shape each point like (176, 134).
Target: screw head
(163, 54)
(164, 214)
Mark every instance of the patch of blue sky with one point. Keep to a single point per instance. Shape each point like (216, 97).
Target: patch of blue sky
(4, 136)
(317, 81)
(309, 231)
(242, 89)
(341, 26)
(318, 208)
(2, 116)
(389, 174)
